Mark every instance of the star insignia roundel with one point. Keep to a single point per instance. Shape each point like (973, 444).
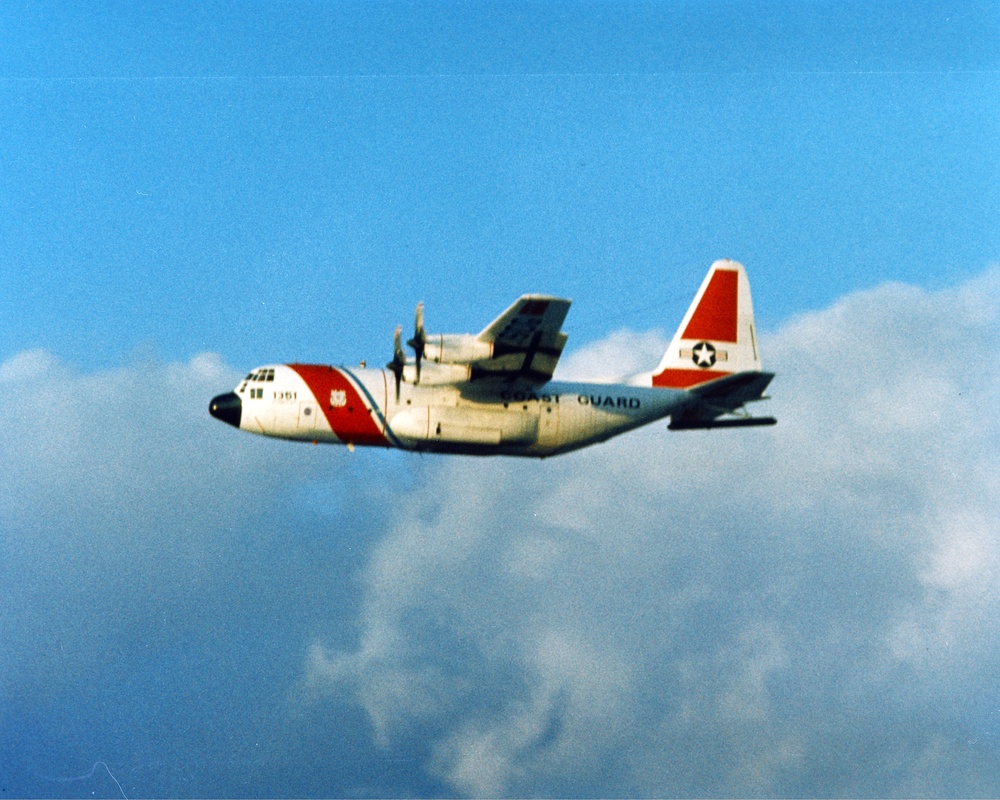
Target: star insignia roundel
(703, 354)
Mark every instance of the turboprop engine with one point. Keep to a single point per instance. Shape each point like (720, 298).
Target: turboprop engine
(522, 342)
(436, 374)
(451, 356)
(446, 348)
(456, 348)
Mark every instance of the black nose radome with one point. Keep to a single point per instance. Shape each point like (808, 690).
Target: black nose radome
(227, 407)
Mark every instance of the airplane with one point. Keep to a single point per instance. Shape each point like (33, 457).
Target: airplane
(492, 393)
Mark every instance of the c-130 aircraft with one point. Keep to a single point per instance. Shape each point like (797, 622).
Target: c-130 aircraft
(492, 393)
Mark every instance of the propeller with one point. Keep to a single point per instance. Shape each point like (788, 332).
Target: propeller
(419, 340)
(398, 358)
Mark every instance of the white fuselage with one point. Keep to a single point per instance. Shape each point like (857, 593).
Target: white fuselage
(492, 393)
(360, 407)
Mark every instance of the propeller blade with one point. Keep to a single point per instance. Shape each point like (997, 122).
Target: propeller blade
(397, 347)
(419, 340)
(398, 358)
(418, 324)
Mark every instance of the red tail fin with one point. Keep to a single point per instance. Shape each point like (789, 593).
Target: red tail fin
(716, 337)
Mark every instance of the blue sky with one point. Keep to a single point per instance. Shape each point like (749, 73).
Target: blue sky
(286, 181)
(192, 190)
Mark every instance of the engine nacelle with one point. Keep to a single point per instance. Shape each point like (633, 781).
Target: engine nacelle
(432, 374)
(455, 348)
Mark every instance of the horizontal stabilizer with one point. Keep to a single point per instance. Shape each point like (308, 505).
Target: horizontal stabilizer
(713, 400)
(743, 387)
(705, 424)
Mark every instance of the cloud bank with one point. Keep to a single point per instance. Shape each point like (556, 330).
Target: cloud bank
(797, 611)
(163, 576)
(803, 610)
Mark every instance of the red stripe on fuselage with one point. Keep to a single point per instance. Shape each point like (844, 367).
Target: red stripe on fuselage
(715, 317)
(352, 422)
(686, 378)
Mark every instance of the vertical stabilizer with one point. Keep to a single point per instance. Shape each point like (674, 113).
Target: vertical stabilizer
(717, 336)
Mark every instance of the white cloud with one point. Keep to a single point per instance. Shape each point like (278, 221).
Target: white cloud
(734, 612)
(799, 610)
(120, 493)
(27, 365)
(161, 573)
(619, 355)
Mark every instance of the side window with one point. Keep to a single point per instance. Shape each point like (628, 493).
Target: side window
(260, 376)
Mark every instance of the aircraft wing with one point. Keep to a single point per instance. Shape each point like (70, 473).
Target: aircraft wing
(723, 396)
(527, 340)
